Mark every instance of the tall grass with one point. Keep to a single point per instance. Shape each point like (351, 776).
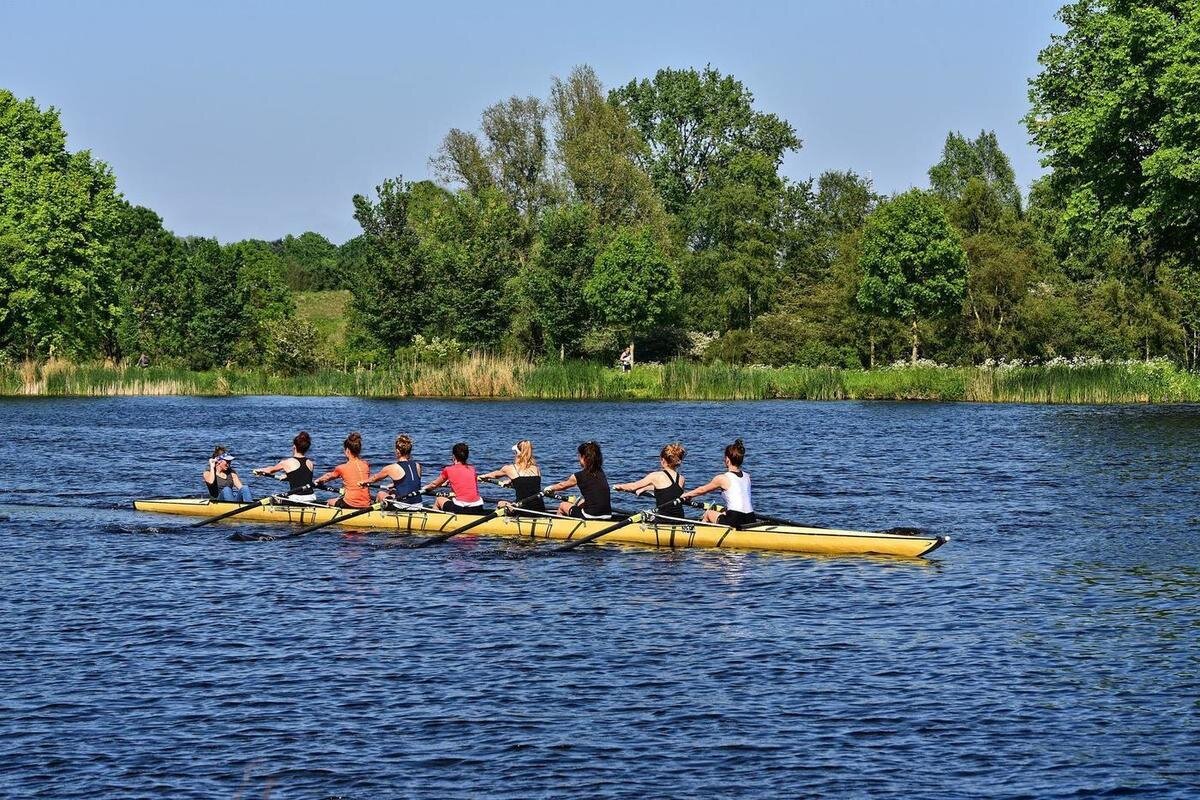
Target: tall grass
(499, 376)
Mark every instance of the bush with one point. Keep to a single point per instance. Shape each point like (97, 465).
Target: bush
(292, 348)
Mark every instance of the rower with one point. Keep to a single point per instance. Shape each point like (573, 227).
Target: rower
(405, 474)
(666, 481)
(222, 479)
(463, 482)
(596, 501)
(735, 484)
(353, 474)
(524, 477)
(297, 470)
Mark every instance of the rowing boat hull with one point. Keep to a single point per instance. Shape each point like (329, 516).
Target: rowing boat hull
(781, 538)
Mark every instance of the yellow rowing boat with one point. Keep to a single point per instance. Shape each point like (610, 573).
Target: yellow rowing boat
(659, 532)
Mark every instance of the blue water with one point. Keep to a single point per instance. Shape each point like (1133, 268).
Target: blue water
(1049, 650)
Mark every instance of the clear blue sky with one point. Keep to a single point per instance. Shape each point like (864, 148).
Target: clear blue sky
(241, 120)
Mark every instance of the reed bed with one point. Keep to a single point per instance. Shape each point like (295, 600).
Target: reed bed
(500, 376)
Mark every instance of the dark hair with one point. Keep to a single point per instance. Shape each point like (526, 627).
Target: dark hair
(404, 445)
(218, 450)
(593, 459)
(735, 452)
(461, 452)
(353, 443)
(302, 442)
(672, 454)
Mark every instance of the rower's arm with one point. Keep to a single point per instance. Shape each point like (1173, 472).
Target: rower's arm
(503, 472)
(718, 482)
(558, 487)
(271, 470)
(328, 476)
(637, 486)
(386, 472)
(440, 480)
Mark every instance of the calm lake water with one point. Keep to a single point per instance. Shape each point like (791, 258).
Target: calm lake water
(1049, 650)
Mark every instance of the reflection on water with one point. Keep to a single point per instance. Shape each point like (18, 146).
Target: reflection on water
(1047, 651)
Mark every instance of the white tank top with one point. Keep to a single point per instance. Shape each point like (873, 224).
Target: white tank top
(737, 496)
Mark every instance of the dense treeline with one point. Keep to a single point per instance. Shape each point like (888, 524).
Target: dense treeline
(655, 212)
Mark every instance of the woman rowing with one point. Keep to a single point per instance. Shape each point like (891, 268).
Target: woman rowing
(297, 470)
(523, 475)
(666, 481)
(735, 484)
(405, 474)
(464, 483)
(222, 479)
(596, 500)
(353, 474)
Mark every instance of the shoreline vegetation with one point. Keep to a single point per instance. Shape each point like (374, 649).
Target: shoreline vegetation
(486, 376)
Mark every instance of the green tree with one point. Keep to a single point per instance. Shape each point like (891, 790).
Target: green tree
(156, 298)
(1116, 114)
(461, 160)
(388, 289)
(633, 288)
(599, 152)
(262, 284)
(979, 160)
(58, 212)
(912, 262)
(310, 262)
(219, 321)
(546, 298)
(696, 124)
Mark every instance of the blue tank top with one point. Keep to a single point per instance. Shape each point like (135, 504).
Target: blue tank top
(408, 488)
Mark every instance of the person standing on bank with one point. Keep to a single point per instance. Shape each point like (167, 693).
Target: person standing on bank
(297, 469)
(596, 501)
(734, 483)
(222, 479)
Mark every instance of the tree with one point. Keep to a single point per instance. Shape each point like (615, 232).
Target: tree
(600, 153)
(517, 149)
(1116, 114)
(310, 262)
(696, 124)
(58, 212)
(388, 289)
(219, 320)
(156, 300)
(912, 261)
(632, 288)
(460, 160)
(979, 160)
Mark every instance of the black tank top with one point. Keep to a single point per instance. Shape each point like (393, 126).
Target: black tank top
(667, 499)
(300, 480)
(597, 500)
(527, 486)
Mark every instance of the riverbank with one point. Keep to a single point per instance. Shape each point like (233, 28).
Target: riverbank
(486, 376)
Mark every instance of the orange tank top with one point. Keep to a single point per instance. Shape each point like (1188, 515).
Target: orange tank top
(352, 473)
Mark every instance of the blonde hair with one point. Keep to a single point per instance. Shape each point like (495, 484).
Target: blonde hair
(673, 454)
(524, 456)
(404, 445)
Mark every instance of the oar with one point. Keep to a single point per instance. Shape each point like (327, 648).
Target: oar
(591, 537)
(499, 512)
(760, 519)
(266, 501)
(266, 537)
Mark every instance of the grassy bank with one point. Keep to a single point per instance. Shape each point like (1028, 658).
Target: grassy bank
(487, 376)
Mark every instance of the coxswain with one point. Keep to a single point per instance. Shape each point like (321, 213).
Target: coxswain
(464, 483)
(666, 481)
(734, 483)
(524, 477)
(297, 469)
(405, 475)
(353, 474)
(222, 479)
(596, 499)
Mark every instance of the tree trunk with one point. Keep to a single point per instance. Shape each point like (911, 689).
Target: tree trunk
(914, 341)
(871, 359)
(632, 355)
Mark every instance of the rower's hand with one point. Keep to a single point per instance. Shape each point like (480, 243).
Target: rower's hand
(549, 492)
(258, 472)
